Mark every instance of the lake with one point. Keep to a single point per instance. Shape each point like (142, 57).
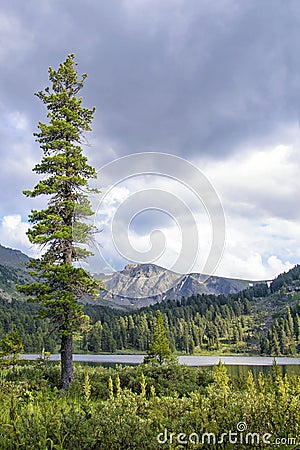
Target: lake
(237, 365)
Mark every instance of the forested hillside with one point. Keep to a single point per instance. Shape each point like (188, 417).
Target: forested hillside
(12, 271)
(262, 319)
(36, 333)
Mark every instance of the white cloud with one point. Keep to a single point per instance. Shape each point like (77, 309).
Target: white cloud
(105, 204)
(259, 191)
(265, 180)
(17, 120)
(260, 243)
(13, 229)
(178, 215)
(251, 266)
(13, 234)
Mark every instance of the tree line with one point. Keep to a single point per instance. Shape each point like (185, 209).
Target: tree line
(200, 323)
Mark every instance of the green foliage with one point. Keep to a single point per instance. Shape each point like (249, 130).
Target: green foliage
(285, 278)
(143, 385)
(35, 333)
(61, 228)
(87, 387)
(251, 321)
(36, 416)
(159, 351)
(238, 323)
(11, 346)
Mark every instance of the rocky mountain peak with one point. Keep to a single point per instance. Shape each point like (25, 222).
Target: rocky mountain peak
(139, 285)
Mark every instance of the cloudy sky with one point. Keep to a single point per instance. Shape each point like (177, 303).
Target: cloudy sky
(216, 83)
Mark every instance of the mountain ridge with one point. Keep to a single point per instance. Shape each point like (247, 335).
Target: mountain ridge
(136, 286)
(12, 271)
(139, 285)
(12, 257)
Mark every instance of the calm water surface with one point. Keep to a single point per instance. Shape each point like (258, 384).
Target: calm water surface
(237, 366)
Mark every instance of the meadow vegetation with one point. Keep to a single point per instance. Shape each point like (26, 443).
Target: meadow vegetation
(145, 407)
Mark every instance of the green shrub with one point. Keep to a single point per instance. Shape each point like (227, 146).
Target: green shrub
(87, 417)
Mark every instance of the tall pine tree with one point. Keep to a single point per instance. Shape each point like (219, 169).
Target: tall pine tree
(61, 229)
(159, 351)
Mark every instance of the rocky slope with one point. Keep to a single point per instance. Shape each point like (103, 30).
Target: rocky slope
(12, 258)
(12, 271)
(135, 286)
(141, 285)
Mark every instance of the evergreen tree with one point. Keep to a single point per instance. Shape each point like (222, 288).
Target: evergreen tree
(11, 346)
(95, 338)
(290, 324)
(61, 228)
(159, 351)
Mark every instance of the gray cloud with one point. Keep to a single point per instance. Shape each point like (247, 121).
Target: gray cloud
(183, 77)
(197, 79)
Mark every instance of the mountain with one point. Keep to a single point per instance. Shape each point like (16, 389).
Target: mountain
(250, 317)
(12, 258)
(136, 286)
(262, 319)
(12, 271)
(139, 285)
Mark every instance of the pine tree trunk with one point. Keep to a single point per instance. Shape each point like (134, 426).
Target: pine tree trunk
(66, 353)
